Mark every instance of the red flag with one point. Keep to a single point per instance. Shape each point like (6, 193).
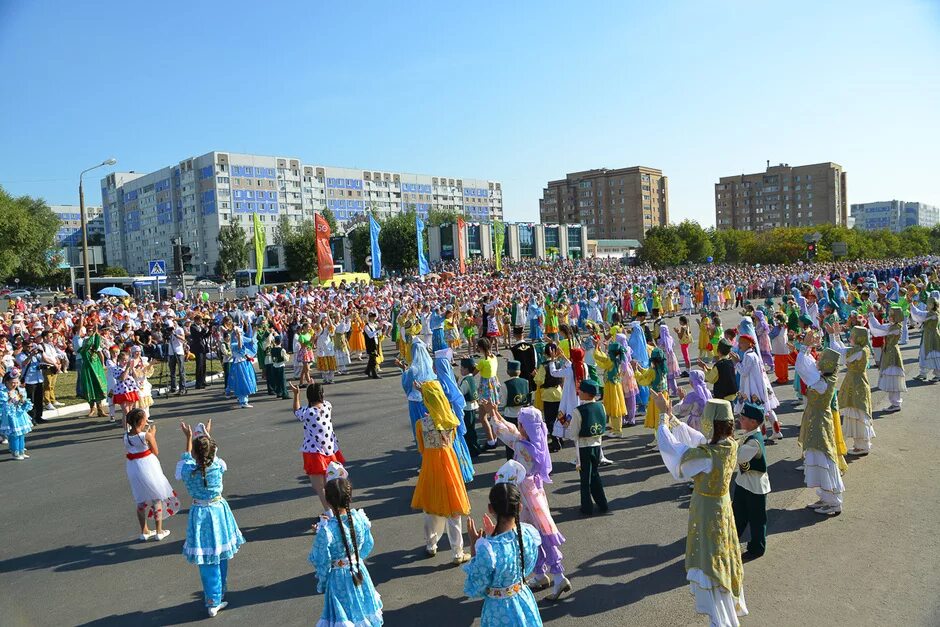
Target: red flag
(461, 251)
(324, 254)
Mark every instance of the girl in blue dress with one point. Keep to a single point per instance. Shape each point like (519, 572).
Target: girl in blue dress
(14, 415)
(212, 536)
(502, 560)
(342, 543)
(242, 382)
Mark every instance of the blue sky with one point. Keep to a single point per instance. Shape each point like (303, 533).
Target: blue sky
(520, 92)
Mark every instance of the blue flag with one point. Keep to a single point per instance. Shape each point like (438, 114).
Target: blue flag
(374, 230)
(423, 267)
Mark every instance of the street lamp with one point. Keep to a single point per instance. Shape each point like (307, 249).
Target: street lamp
(81, 208)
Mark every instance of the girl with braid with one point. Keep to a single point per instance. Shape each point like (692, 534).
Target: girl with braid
(340, 546)
(212, 536)
(503, 557)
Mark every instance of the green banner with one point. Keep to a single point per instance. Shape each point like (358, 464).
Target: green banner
(499, 235)
(260, 245)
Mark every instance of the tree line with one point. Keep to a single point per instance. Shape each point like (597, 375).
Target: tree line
(688, 242)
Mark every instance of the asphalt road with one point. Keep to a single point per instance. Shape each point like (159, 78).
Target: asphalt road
(69, 555)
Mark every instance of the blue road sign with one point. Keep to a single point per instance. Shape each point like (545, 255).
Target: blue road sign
(157, 267)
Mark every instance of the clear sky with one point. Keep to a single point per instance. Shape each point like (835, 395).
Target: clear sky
(520, 92)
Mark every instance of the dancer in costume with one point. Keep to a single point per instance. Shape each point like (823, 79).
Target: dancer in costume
(242, 382)
(753, 384)
(93, 384)
(615, 406)
(531, 468)
(212, 536)
(339, 549)
(891, 368)
(855, 392)
(751, 485)
(468, 387)
(451, 391)
(692, 405)
(320, 447)
(15, 422)
(501, 561)
(928, 357)
(155, 497)
(822, 464)
(713, 555)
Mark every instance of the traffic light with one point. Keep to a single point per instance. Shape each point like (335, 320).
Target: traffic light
(186, 257)
(177, 257)
(811, 250)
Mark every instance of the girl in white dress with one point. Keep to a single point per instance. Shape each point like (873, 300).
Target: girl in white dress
(152, 492)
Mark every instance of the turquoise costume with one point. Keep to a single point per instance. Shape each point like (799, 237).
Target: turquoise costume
(15, 422)
(494, 574)
(344, 602)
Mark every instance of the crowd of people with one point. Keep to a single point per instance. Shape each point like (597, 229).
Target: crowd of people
(589, 348)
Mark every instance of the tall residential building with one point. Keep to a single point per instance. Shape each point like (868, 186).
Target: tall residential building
(69, 236)
(193, 199)
(783, 195)
(612, 204)
(896, 215)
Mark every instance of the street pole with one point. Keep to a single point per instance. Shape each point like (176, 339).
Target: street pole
(81, 208)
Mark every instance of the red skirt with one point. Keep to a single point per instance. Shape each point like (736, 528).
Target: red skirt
(126, 398)
(316, 463)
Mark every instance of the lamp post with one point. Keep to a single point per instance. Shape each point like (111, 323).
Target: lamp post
(81, 209)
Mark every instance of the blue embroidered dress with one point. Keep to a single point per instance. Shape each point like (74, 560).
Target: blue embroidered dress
(241, 378)
(345, 604)
(14, 414)
(211, 533)
(493, 574)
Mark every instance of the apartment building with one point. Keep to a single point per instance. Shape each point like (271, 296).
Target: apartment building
(622, 203)
(782, 195)
(895, 215)
(198, 196)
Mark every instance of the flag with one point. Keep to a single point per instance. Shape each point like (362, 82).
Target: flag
(374, 230)
(423, 267)
(461, 249)
(499, 234)
(261, 244)
(324, 254)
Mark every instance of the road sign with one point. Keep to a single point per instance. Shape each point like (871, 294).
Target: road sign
(840, 249)
(369, 260)
(157, 267)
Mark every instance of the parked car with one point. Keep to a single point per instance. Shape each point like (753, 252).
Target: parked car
(19, 293)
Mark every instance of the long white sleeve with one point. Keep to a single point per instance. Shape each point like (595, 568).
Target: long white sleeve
(809, 373)
(918, 315)
(876, 328)
(671, 449)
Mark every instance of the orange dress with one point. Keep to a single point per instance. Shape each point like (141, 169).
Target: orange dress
(440, 490)
(357, 339)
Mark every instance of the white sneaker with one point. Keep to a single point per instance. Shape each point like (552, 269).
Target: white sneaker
(146, 536)
(58, 404)
(816, 505)
(606, 462)
(829, 510)
(19, 458)
(246, 406)
(49, 406)
(162, 534)
(777, 436)
(25, 455)
(217, 608)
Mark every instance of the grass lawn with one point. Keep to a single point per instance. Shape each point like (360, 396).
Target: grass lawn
(65, 384)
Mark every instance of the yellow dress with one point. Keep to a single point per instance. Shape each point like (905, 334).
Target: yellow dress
(645, 376)
(357, 339)
(614, 404)
(440, 490)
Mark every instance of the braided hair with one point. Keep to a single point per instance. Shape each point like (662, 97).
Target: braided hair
(506, 501)
(338, 493)
(204, 453)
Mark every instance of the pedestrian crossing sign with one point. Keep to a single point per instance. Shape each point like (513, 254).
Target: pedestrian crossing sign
(157, 267)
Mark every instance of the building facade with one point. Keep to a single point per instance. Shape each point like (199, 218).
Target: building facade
(783, 195)
(522, 240)
(195, 198)
(895, 215)
(69, 235)
(611, 204)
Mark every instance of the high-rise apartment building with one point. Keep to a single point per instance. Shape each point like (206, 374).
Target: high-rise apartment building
(612, 204)
(895, 215)
(195, 198)
(783, 195)
(69, 235)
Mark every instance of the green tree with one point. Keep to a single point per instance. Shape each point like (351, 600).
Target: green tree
(233, 250)
(283, 231)
(113, 271)
(300, 251)
(437, 217)
(663, 247)
(698, 245)
(718, 245)
(330, 218)
(28, 231)
(361, 245)
(398, 241)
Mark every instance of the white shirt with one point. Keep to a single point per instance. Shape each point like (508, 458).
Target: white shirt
(752, 481)
(176, 341)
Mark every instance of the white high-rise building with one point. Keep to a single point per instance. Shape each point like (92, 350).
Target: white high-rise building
(895, 215)
(192, 200)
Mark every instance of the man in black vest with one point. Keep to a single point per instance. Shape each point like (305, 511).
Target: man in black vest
(371, 332)
(721, 374)
(514, 395)
(589, 422)
(752, 483)
(199, 345)
(524, 353)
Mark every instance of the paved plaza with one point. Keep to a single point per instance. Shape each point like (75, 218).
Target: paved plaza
(68, 553)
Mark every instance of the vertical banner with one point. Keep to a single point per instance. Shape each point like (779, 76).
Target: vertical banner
(499, 235)
(261, 245)
(324, 254)
(461, 245)
(374, 230)
(423, 267)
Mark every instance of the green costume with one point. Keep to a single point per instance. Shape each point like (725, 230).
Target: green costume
(93, 383)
